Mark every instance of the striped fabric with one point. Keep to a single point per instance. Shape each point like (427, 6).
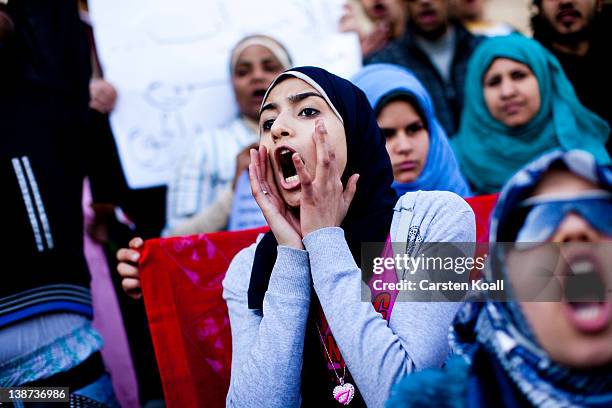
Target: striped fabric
(208, 167)
(43, 299)
(34, 205)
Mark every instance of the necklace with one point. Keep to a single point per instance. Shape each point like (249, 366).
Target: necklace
(343, 392)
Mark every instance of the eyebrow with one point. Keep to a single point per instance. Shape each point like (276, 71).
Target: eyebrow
(268, 106)
(266, 60)
(300, 97)
(292, 98)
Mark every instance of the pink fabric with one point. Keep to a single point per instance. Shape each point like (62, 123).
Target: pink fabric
(483, 207)
(107, 318)
(181, 283)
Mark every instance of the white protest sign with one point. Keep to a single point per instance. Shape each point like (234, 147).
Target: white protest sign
(170, 64)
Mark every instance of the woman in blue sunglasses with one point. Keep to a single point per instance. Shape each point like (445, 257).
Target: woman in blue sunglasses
(550, 343)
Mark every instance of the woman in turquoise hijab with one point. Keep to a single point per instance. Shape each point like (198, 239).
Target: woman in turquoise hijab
(518, 105)
(421, 156)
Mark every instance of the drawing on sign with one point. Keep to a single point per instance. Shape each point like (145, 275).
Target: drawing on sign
(150, 148)
(169, 64)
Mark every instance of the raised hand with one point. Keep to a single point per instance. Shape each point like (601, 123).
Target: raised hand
(102, 95)
(324, 201)
(375, 40)
(284, 224)
(128, 268)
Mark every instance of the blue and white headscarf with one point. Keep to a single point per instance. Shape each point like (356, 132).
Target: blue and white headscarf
(441, 171)
(502, 328)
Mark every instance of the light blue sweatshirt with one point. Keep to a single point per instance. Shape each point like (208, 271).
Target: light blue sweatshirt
(267, 348)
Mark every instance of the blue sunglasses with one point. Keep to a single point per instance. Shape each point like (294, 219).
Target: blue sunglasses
(545, 214)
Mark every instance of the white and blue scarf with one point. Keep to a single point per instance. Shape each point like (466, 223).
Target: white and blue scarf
(501, 328)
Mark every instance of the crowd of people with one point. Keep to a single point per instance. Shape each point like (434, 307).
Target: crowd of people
(448, 105)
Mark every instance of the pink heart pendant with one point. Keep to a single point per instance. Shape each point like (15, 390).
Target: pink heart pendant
(344, 393)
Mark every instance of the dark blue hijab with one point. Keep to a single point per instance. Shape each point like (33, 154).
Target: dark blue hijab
(369, 216)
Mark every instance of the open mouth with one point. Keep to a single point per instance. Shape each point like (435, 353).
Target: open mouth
(258, 94)
(585, 295)
(288, 177)
(379, 9)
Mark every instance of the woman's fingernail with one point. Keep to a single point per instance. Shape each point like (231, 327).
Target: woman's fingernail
(135, 257)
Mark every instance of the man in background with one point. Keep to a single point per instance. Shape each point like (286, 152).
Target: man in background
(576, 33)
(473, 15)
(436, 48)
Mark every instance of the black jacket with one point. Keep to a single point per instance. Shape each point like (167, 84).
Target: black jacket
(447, 96)
(44, 96)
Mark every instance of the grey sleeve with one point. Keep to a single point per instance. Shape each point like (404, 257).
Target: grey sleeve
(267, 349)
(454, 219)
(377, 355)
